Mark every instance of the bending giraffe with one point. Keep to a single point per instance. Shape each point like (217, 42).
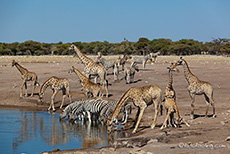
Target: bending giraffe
(171, 107)
(141, 98)
(88, 86)
(26, 76)
(197, 87)
(56, 84)
(170, 101)
(92, 68)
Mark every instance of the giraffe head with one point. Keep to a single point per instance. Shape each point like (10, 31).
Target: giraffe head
(180, 62)
(72, 47)
(173, 67)
(71, 70)
(110, 124)
(14, 63)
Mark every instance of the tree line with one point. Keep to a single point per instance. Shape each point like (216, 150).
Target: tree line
(218, 46)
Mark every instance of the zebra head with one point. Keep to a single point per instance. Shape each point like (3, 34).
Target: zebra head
(134, 65)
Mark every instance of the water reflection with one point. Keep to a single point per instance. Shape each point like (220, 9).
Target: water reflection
(25, 129)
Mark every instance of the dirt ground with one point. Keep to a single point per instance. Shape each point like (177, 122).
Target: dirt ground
(205, 135)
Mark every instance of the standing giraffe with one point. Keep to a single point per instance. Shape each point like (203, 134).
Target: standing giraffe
(169, 91)
(170, 101)
(26, 76)
(88, 85)
(92, 68)
(141, 98)
(56, 84)
(197, 87)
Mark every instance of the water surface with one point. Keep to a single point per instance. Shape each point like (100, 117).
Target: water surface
(34, 132)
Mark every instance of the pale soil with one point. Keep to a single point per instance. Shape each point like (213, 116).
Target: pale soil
(203, 133)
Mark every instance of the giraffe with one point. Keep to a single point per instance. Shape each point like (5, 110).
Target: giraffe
(88, 85)
(56, 84)
(26, 76)
(169, 91)
(141, 98)
(197, 87)
(171, 107)
(92, 68)
(170, 101)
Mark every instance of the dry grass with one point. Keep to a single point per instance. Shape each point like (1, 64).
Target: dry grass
(63, 59)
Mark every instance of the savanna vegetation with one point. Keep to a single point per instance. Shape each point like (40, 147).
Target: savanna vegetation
(143, 46)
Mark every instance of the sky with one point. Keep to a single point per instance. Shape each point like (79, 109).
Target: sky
(52, 21)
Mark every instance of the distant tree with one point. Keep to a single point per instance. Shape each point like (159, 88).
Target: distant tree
(225, 49)
(218, 43)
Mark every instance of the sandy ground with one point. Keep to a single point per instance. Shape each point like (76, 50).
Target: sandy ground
(206, 135)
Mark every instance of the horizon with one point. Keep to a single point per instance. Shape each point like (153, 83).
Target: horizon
(88, 21)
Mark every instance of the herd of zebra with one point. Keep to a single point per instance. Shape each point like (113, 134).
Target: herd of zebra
(95, 109)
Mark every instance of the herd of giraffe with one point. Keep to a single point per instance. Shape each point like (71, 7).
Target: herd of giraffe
(141, 97)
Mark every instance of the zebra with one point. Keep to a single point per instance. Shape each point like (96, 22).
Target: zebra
(71, 107)
(142, 60)
(93, 106)
(116, 72)
(101, 108)
(130, 72)
(108, 109)
(127, 109)
(77, 113)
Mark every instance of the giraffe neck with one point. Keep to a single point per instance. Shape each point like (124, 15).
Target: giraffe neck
(120, 104)
(21, 69)
(169, 86)
(81, 76)
(86, 60)
(188, 74)
(45, 85)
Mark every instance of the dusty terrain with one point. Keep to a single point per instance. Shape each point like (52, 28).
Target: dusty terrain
(206, 135)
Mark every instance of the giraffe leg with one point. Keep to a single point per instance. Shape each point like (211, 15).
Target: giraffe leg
(178, 114)
(137, 115)
(142, 109)
(209, 100)
(157, 106)
(23, 83)
(182, 120)
(34, 84)
(52, 101)
(213, 106)
(207, 105)
(172, 120)
(166, 119)
(105, 85)
(192, 96)
(63, 99)
(26, 92)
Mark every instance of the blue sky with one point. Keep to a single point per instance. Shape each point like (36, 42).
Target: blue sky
(52, 21)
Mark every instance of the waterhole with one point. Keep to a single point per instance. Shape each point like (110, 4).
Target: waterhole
(33, 132)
